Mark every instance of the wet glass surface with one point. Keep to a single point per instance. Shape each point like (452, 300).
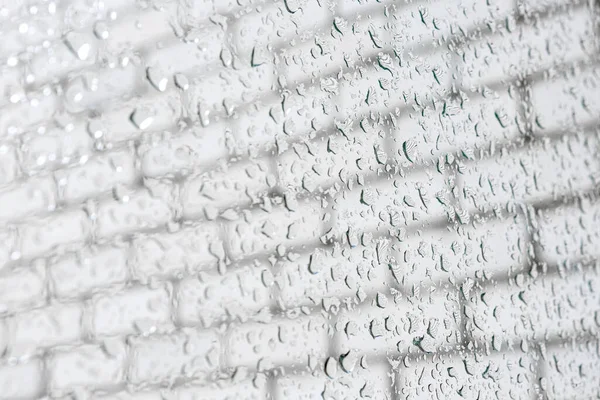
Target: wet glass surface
(299, 199)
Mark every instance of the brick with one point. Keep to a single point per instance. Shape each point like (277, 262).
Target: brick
(282, 341)
(371, 31)
(245, 390)
(570, 371)
(352, 39)
(22, 288)
(575, 101)
(96, 176)
(279, 119)
(428, 323)
(569, 234)
(123, 80)
(58, 59)
(88, 367)
(225, 6)
(350, 8)
(165, 358)
(33, 331)
(409, 201)
(89, 270)
(39, 107)
(140, 211)
(531, 174)
(9, 164)
(457, 128)
(323, 275)
(42, 27)
(61, 229)
(275, 25)
(500, 375)
(321, 55)
(548, 307)
(237, 185)
(262, 231)
(493, 249)
(128, 395)
(212, 298)
(152, 26)
(362, 382)
(35, 196)
(8, 244)
(138, 309)
(418, 78)
(55, 148)
(201, 48)
(193, 248)
(532, 6)
(47, 25)
(162, 108)
(528, 48)
(234, 87)
(22, 381)
(180, 153)
(321, 163)
(10, 88)
(421, 23)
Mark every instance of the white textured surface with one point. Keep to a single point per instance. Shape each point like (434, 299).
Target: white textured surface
(299, 199)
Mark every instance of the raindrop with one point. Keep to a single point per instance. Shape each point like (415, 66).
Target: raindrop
(79, 45)
(331, 367)
(142, 118)
(157, 78)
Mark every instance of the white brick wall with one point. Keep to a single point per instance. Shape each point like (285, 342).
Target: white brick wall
(299, 199)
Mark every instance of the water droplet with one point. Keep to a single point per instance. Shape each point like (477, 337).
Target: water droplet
(331, 367)
(182, 82)
(157, 78)
(292, 6)
(348, 361)
(101, 30)
(142, 118)
(79, 45)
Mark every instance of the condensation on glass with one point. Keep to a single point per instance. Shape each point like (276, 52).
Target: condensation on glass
(299, 199)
